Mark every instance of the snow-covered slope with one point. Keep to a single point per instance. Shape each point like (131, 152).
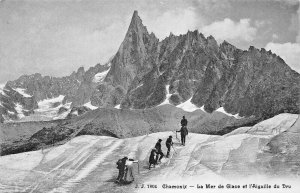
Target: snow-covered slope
(22, 91)
(118, 106)
(168, 95)
(1, 88)
(99, 77)
(48, 109)
(189, 106)
(222, 110)
(89, 105)
(186, 106)
(87, 163)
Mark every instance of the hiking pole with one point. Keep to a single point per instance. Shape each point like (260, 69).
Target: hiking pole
(176, 136)
(174, 149)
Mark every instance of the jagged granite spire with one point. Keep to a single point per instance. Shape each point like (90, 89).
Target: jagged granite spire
(130, 59)
(136, 22)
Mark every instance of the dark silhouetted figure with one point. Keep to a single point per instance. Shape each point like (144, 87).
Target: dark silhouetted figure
(159, 151)
(183, 132)
(169, 143)
(184, 122)
(121, 164)
(152, 158)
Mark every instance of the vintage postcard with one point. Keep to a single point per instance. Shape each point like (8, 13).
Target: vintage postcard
(136, 96)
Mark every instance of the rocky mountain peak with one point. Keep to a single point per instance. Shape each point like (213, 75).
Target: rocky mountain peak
(136, 27)
(146, 72)
(131, 57)
(80, 72)
(228, 49)
(225, 44)
(136, 21)
(212, 42)
(253, 50)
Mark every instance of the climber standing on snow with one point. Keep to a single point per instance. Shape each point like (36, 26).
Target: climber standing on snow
(159, 153)
(183, 131)
(152, 158)
(183, 122)
(121, 165)
(169, 143)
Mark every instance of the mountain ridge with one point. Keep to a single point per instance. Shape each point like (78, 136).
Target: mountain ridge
(245, 82)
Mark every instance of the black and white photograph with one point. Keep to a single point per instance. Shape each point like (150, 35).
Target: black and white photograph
(149, 96)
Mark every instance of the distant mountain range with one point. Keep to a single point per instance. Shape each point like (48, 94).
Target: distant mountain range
(145, 72)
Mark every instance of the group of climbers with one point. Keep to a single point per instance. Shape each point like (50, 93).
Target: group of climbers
(156, 153)
(125, 165)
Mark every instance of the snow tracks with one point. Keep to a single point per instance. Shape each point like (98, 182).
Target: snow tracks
(89, 167)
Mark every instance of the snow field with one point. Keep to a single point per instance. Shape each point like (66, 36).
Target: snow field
(205, 158)
(22, 92)
(188, 106)
(89, 105)
(47, 111)
(168, 95)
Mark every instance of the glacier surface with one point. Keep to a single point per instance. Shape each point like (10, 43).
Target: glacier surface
(88, 163)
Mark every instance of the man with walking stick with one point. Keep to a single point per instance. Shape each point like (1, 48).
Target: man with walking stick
(183, 131)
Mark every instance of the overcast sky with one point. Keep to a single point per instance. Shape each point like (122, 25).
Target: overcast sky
(56, 37)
